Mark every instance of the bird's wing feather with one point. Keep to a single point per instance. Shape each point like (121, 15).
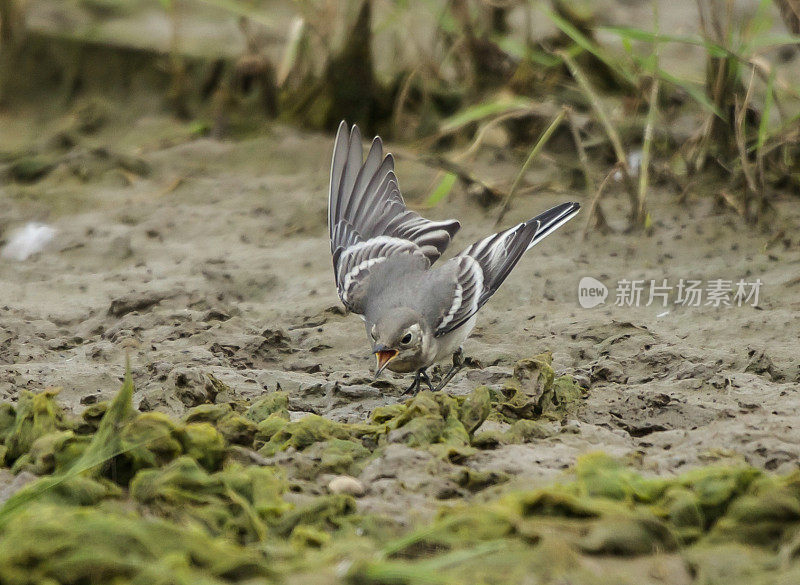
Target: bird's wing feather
(483, 266)
(355, 259)
(366, 211)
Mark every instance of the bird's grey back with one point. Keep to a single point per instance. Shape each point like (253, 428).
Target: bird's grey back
(405, 280)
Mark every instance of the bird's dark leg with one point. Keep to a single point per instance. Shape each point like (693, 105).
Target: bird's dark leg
(458, 363)
(419, 377)
(424, 377)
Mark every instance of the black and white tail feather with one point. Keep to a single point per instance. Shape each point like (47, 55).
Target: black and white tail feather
(484, 265)
(368, 223)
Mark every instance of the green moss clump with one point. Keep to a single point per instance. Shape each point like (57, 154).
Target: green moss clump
(80, 490)
(326, 512)
(340, 456)
(209, 413)
(438, 422)
(475, 409)
(534, 391)
(57, 544)
(149, 440)
(682, 508)
(237, 429)
(304, 536)
(474, 480)
(604, 477)
(203, 443)
(268, 428)
(52, 453)
(275, 403)
(527, 431)
(307, 431)
(30, 169)
(92, 416)
(629, 535)
(237, 502)
(35, 415)
(8, 417)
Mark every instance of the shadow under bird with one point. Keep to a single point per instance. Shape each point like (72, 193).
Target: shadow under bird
(383, 261)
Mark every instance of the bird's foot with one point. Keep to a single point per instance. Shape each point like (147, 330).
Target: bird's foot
(419, 377)
(458, 363)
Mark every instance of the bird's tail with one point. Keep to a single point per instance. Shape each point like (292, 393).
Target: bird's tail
(551, 220)
(484, 265)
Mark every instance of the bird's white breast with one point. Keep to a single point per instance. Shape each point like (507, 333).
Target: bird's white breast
(448, 344)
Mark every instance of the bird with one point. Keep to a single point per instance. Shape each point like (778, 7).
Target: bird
(415, 313)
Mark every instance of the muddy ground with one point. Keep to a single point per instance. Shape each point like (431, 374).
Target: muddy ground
(213, 260)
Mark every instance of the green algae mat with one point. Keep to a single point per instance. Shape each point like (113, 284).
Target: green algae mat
(219, 497)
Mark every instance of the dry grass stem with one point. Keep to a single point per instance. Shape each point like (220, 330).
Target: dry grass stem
(605, 121)
(583, 158)
(534, 152)
(595, 218)
(644, 171)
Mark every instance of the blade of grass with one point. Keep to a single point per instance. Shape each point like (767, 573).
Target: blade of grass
(537, 148)
(439, 162)
(763, 126)
(768, 42)
(594, 100)
(481, 133)
(520, 50)
(442, 189)
(402, 97)
(483, 110)
(634, 34)
(104, 446)
(240, 9)
(648, 65)
(763, 42)
(588, 45)
(697, 94)
(296, 35)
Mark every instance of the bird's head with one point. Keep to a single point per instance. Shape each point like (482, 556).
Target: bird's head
(398, 339)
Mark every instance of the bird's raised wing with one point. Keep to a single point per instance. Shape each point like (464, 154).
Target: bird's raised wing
(367, 218)
(482, 267)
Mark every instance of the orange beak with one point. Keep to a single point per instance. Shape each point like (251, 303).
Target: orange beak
(383, 357)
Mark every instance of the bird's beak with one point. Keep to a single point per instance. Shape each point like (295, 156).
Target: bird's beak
(383, 356)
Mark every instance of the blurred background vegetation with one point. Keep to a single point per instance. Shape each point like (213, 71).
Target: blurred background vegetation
(700, 97)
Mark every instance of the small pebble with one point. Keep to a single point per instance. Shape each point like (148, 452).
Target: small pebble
(344, 484)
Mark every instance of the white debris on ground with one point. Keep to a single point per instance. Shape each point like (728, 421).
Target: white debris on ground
(634, 164)
(28, 241)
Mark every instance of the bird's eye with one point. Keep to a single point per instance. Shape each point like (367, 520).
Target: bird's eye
(406, 339)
